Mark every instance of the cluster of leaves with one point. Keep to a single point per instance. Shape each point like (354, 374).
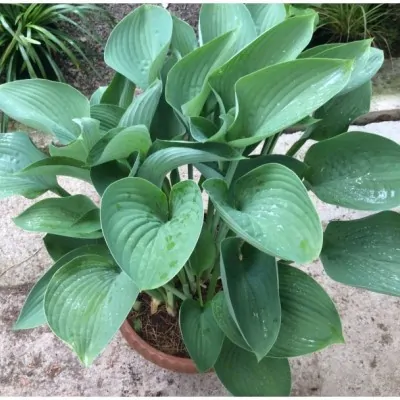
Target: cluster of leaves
(208, 104)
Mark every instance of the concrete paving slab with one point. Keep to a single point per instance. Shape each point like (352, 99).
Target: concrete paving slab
(37, 363)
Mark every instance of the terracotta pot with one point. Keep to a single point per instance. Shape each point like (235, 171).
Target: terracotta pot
(172, 363)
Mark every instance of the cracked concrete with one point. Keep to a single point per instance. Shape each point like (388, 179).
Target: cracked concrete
(36, 363)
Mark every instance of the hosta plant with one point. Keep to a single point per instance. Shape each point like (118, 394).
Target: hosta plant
(230, 268)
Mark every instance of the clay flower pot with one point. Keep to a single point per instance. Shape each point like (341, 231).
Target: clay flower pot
(172, 363)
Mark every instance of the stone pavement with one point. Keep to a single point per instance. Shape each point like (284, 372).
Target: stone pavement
(36, 363)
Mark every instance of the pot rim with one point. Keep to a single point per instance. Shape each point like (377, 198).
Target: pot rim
(172, 363)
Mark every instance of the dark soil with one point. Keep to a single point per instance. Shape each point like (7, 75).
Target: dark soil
(160, 330)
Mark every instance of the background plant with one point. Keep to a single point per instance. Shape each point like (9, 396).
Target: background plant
(34, 36)
(348, 22)
(218, 105)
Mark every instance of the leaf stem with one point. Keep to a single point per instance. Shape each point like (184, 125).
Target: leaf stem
(213, 281)
(297, 145)
(199, 292)
(190, 277)
(169, 288)
(190, 171)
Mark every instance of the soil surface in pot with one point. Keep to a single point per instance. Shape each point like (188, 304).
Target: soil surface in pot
(159, 330)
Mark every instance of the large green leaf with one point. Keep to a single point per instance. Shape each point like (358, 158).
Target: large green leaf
(269, 208)
(86, 302)
(367, 60)
(166, 156)
(183, 37)
(73, 216)
(120, 143)
(32, 313)
(357, 170)
(109, 115)
(250, 282)
(103, 175)
(276, 97)
(266, 16)
(205, 253)
(218, 19)
(45, 105)
(58, 246)
(338, 113)
(365, 252)
(242, 375)
(245, 166)
(150, 238)
(138, 45)
(142, 109)
(225, 321)
(190, 75)
(57, 166)
(201, 334)
(309, 321)
(119, 92)
(16, 153)
(284, 43)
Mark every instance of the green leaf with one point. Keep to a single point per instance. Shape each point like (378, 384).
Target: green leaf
(288, 97)
(109, 115)
(164, 156)
(142, 109)
(138, 45)
(97, 95)
(104, 175)
(242, 375)
(190, 75)
(58, 246)
(266, 16)
(284, 43)
(218, 19)
(86, 302)
(17, 152)
(338, 113)
(357, 170)
(45, 105)
(57, 166)
(250, 282)
(73, 216)
(32, 313)
(245, 166)
(77, 150)
(119, 92)
(150, 239)
(201, 334)
(202, 128)
(90, 132)
(120, 143)
(367, 60)
(365, 252)
(269, 208)
(204, 254)
(165, 124)
(309, 321)
(183, 37)
(225, 321)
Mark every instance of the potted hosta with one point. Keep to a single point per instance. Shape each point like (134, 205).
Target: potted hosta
(218, 258)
